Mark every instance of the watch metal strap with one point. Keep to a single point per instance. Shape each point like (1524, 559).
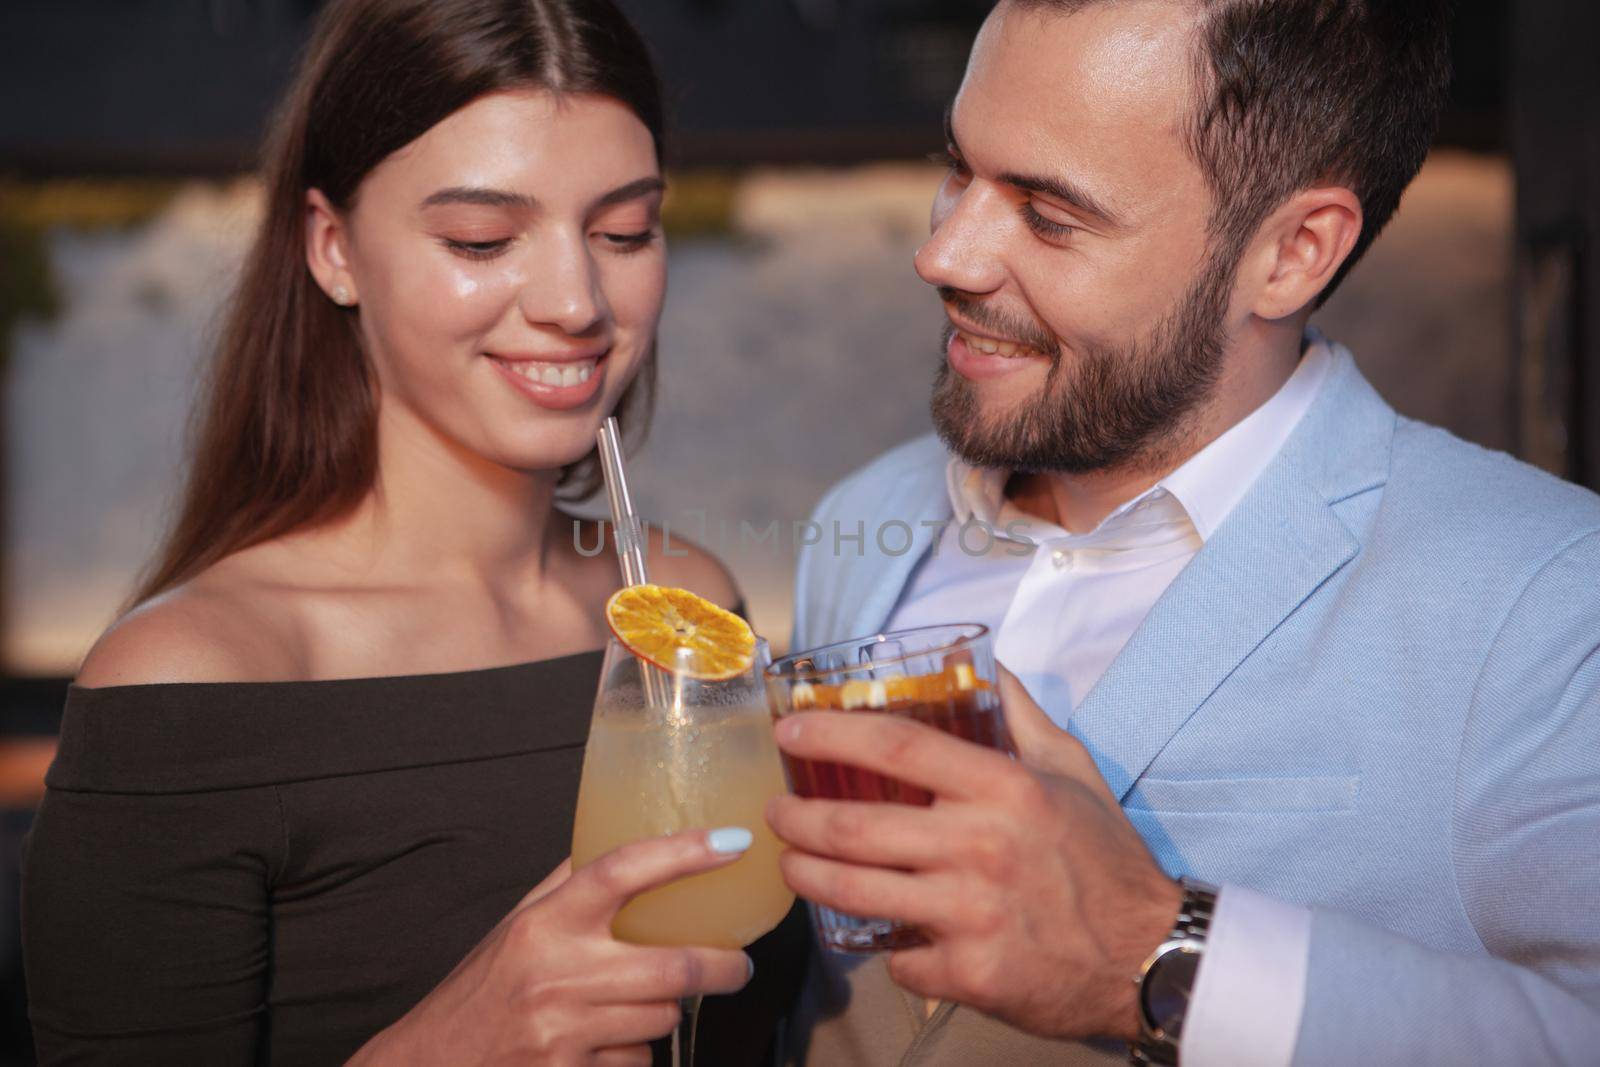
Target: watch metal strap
(1189, 932)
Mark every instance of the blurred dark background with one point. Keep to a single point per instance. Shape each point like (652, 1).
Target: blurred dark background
(127, 137)
(184, 86)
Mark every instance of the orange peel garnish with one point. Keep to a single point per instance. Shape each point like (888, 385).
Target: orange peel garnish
(887, 693)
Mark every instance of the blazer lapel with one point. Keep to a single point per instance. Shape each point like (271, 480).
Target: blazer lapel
(1256, 569)
(880, 582)
(1283, 541)
(854, 575)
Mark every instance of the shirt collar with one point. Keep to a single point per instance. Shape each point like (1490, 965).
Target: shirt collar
(977, 494)
(1206, 487)
(1211, 483)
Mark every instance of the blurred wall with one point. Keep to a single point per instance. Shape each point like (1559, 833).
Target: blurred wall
(792, 287)
(1556, 140)
(797, 343)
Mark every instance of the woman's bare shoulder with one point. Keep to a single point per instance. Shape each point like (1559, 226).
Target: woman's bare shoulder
(215, 628)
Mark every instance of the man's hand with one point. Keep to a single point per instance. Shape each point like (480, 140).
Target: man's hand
(1039, 898)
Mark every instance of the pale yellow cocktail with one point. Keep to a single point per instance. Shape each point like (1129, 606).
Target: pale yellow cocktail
(644, 776)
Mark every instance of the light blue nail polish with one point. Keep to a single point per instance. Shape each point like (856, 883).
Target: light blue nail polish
(749, 968)
(729, 839)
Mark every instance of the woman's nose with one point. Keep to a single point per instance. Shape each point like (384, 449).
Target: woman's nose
(563, 289)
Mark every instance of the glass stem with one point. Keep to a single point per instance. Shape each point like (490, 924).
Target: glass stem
(683, 1036)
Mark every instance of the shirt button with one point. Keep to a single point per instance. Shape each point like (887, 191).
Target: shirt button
(1062, 559)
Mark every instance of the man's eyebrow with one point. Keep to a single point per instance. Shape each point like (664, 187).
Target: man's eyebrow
(1066, 191)
(1069, 193)
(482, 197)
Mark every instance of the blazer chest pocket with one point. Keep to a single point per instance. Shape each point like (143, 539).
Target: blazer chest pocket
(1243, 796)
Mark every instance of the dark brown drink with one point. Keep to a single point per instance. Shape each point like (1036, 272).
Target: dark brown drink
(973, 715)
(943, 676)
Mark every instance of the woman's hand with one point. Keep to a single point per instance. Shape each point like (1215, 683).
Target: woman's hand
(550, 985)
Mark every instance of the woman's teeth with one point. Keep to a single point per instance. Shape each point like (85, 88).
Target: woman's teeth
(1007, 349)
(560, 374)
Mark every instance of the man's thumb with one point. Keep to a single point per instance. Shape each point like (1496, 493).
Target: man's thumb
(1041, 744)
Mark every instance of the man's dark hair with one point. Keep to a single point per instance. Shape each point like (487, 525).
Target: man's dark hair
(1299, 93)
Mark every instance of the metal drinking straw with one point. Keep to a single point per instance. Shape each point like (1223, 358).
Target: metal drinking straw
(630, 553)
(630, 537)
(630, 547)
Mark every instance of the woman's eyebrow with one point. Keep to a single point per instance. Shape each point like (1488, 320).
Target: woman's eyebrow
(632, 191)
(463, 194)
(484, 197)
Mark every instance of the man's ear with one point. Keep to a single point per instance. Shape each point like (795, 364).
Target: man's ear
(327, 250)
(1299, 249)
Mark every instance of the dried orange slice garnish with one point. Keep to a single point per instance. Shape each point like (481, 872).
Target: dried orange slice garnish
(893, 691)
(679, 631)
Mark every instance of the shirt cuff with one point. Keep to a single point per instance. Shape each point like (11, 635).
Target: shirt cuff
(1251, 989)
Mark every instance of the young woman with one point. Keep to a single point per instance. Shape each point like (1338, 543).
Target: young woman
(306, 786)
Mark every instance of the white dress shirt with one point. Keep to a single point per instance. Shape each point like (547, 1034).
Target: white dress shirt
(1063, 605)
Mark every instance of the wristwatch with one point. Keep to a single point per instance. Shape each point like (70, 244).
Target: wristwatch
(1166, 981)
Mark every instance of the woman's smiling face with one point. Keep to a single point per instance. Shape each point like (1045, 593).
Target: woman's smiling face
(509, 269)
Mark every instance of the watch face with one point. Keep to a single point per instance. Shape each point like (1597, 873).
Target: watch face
(1167, 989)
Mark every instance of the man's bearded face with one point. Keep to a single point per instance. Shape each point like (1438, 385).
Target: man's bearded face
(1087, 310)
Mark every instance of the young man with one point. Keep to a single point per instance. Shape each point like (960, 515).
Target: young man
(1338, 663)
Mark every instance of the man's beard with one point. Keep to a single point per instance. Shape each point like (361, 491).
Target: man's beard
(1112, 407)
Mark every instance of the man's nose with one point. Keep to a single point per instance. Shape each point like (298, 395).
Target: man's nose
(963, 251)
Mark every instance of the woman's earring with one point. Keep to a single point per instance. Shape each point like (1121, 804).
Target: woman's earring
(341, 296)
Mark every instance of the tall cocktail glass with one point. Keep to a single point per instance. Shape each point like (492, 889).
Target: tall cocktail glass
(670, 752)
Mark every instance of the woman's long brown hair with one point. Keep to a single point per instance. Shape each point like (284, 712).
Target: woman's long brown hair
(286, 432)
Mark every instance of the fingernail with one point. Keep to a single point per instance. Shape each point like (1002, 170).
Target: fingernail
(729, 839)
(787, 730)
(749, 968)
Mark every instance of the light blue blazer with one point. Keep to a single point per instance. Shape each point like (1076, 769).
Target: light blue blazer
(1375, 691)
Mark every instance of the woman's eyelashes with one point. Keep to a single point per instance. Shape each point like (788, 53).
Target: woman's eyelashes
(477, 249)
(631, 242)
(616, 242)
(952, 161)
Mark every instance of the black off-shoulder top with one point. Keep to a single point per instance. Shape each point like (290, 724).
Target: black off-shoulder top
(247, 873)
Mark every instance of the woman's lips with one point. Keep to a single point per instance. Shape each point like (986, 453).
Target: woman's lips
(975, 357)
(554, 384)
